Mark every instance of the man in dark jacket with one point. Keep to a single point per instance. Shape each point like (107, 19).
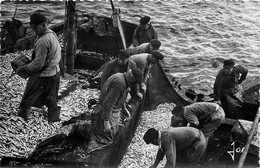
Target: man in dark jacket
(109, 106)
(177, 144)
(145, 32)
(43, 84)
(227, 88)
(121, 64)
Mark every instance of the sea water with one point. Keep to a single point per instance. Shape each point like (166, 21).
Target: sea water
(196, 36)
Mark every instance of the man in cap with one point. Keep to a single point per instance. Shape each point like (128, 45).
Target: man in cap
(145, 32)
(181, 144)
(112, 97)
(144, 60)
(227, 88)
(120, 64)
(43, 84)
(205, 116)
(145, 47)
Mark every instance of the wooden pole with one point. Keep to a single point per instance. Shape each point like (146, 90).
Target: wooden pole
(71, 36)
(117, 22)
(249, 139)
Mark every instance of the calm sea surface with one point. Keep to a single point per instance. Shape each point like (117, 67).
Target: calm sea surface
(195, 35)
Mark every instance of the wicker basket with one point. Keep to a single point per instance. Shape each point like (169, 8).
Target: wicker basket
(20, 61)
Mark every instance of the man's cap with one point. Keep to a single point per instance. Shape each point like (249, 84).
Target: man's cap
(123, 54)
(157, 54)
(37, 18)
(155, 43)
(138, 75)
(144, 20)
(229, 62)
(150, 135)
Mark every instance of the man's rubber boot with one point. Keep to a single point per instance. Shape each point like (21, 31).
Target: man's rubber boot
(54, 114)
(23, 113)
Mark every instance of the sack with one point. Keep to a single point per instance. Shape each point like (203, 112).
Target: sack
(20, 60)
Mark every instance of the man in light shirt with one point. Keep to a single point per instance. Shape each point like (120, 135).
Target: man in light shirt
(180, 144)
(205, 116)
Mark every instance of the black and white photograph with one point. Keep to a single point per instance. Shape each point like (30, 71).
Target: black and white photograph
(130, 83)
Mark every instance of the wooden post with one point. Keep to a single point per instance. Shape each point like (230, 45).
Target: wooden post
(62, 62)
(117, 23)
(249, 139)
(70, 36)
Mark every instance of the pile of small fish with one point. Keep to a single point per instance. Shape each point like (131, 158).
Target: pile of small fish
(19, 138)
(139, 154)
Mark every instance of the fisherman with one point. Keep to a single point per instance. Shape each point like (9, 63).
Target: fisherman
(144, 32)
(112, 97)
(145, 47)
(120, 64)
(182, 144)
(145, 60)
(227, 88)
(205, 116)
(11, 31)
(43, 84)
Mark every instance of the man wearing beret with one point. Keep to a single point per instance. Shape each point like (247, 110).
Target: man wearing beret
(181, 144)
(145, 32)
(44, 72)
(144, 60)
(120, 64)
(145, 47)
(108, 109)
(227, 88)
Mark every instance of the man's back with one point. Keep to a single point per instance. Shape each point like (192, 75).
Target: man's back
(183, 136)
(140, 60)
(200, 109)
(143, 48)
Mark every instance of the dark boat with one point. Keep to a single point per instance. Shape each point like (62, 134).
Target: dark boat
(71, 149)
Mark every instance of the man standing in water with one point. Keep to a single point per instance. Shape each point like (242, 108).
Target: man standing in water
(44, 72)
(227, 90)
